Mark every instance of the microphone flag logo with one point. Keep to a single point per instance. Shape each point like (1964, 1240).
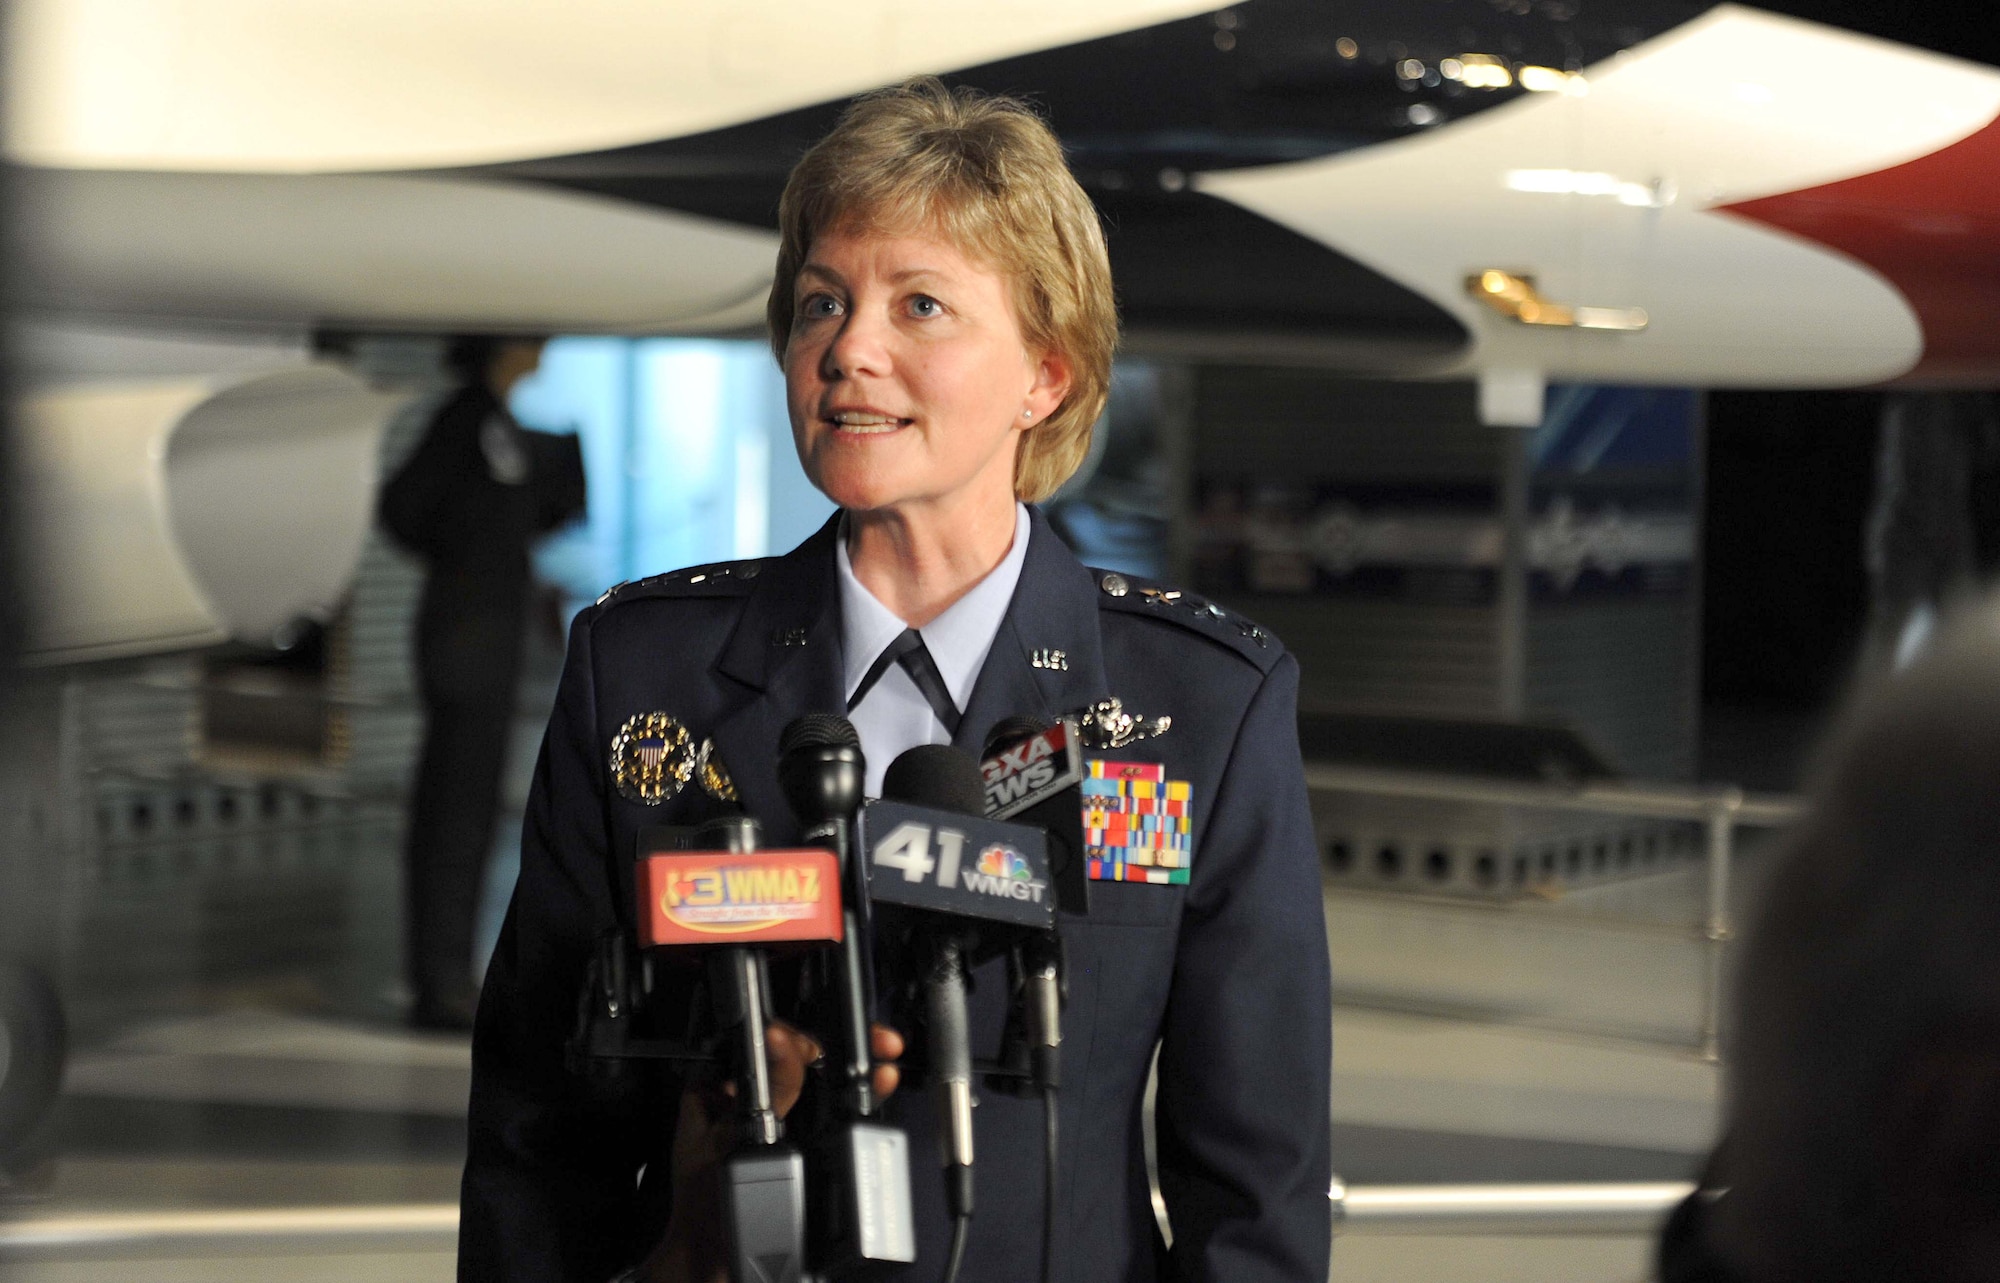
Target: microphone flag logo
(693, 897)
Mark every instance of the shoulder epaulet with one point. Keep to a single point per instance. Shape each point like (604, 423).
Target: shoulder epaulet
(720, 579)
(1123, 593)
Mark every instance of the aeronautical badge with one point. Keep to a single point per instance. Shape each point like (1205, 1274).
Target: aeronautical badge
(1138, 825)
(712, 775)
(652, 758)
(1106, 725)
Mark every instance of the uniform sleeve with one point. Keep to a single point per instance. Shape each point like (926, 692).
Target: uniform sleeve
(1246, 1054)
(550, 1189)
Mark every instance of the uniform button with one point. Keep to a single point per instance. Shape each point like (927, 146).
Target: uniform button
(1115, 585)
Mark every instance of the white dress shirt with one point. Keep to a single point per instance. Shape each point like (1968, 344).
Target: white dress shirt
(894, 715)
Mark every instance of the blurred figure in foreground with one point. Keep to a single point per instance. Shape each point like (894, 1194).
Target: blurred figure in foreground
(474, 494)
(1864, 1114)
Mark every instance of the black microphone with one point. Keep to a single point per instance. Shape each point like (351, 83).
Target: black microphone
(976, 884)
(935, 775)
(863, 1205)
(820, 770)
(929, 847)
(1033, 770)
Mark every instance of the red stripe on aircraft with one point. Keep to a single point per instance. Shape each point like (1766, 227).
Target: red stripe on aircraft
(1932, 227)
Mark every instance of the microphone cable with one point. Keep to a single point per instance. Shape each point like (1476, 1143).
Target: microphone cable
(1041, 961)
(1044, 1056)
(961, 1230)
(1049, 1153)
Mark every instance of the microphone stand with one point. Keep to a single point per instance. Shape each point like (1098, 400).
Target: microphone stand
(764, 1179)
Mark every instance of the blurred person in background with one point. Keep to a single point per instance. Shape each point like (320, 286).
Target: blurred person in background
(474, 494)
(1933, 532)
(1863, 1117)
(943, 314)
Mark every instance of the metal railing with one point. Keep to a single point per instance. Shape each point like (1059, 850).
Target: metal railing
(1720, 809)
(90, 1235)
(1585, 1209)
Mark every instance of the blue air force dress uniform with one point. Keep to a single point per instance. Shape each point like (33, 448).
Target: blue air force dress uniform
(1223, 966)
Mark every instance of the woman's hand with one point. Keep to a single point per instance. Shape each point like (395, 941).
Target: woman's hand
(693, 1250)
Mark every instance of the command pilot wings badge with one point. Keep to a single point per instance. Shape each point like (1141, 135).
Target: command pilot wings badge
(1106, 725)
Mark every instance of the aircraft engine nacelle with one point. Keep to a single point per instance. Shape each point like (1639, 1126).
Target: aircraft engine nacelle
(166, 514)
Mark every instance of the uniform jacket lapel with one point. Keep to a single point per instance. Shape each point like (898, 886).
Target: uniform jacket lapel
(784, 656)
(1053, 614)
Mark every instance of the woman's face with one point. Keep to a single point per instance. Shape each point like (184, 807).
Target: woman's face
(906, 375)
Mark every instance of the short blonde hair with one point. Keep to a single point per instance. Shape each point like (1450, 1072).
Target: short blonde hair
(987, 174)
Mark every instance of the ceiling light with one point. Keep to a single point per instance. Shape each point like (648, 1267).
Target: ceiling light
(1483, 71)
(1543, 80)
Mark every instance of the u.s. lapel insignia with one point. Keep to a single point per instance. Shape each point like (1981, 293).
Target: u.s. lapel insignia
(1138, 825)
(712, 775)
(1050, 658)
(652, 758)
(1106, 725)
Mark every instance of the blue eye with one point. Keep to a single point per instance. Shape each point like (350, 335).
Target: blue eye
(818, 306)
(923, 305)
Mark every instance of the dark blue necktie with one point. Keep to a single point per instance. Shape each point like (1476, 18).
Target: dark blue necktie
(909, 651)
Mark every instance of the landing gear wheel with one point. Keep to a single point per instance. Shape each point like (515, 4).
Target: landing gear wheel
(33, 1044)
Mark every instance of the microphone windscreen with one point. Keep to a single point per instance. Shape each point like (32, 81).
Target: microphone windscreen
(818, 730)
(1009, 731)
(937, 776)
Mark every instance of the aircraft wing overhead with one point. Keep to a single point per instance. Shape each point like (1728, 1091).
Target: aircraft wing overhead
(316, 85)
(382, 250)
(1728, 197)
(1658, 181)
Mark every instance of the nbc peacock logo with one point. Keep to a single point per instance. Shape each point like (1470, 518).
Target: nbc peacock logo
(1001, 861)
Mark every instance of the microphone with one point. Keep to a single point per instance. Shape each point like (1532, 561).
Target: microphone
(1033, 773)
(862, 1212)
(934, 775)
(820, 770)
(930, 848)
(973, 884)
